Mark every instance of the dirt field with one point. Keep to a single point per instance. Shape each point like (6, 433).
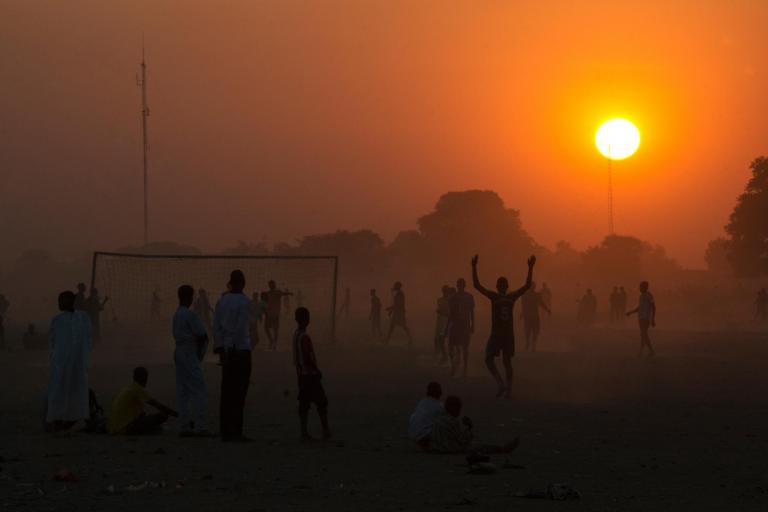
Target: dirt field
(685, 431)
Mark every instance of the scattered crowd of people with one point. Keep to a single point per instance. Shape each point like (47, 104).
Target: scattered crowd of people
(70, 400)
(235, 323)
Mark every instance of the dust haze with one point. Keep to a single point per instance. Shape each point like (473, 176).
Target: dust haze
(365, 160)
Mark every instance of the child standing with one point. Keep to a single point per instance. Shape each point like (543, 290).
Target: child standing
(309, 377)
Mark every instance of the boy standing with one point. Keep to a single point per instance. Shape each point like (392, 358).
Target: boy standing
(309, 377)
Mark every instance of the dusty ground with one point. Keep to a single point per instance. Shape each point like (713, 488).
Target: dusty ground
(685, 431)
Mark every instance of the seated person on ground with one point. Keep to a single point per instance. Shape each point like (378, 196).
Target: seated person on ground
(128, 416)
(423, 417)
(453, 435)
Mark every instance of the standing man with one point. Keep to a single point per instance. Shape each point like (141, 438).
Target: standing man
(502, 339)
(232, 343)
(588, 308)
(272, 320)
(397, 313)
(461, 325)
(191, 345)
(622, 304)
(94, 306)
(4, 305)
(761, 306)
(80, 297)
(441, 323)
(532, 301)
(646, 317)
(69, 339)
(613, 301)
(345, 304)
(258, 309)
(546, 296)
(375, 315)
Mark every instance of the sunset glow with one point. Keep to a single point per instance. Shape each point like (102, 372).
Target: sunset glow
(617, 139)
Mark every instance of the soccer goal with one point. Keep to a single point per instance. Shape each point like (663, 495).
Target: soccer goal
(142, 288)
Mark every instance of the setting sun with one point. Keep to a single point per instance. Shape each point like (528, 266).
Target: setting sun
(617, 139)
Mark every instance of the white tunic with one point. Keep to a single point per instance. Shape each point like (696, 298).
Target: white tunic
(70, 344)
(231, 325)
(423, 418)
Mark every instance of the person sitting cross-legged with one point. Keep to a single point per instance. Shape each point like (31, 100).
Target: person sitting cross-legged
(453, 435)
(128, 416)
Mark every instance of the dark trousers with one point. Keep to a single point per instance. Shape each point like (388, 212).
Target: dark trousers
(235, 378)
(146, 424)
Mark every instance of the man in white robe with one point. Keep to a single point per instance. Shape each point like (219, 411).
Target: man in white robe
(70, 345)
(191, 345)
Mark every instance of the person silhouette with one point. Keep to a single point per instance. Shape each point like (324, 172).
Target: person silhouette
(375, 315)
(397, 313)
(441, 323)
(272, 319)
(94, 306)
(344, 309)
(232, 342)
(546, 295)
(613, 302)
(646, 317)
(587, 308)
(532, 301)
(761, 305)
(80, 297)
(4, 305)
(622, 303)
(461, 325)
(502, 338)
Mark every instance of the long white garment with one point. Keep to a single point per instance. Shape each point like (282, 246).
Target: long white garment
(191, 392)
(69, 340)
(423, 418)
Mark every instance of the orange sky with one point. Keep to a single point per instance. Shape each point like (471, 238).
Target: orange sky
(282, 118)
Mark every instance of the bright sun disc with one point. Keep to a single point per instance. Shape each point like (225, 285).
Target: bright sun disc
(617, 139)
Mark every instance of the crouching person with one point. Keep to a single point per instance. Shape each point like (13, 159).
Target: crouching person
(422, 420)
(452, 434)
(309, 377)
(128, 416)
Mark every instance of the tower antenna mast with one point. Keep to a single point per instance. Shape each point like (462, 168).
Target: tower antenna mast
(610, 193)
(142, 82)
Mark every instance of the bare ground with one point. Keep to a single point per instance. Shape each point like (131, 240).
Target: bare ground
(684, 431)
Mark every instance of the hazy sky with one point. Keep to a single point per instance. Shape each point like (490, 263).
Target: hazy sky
(282, 118)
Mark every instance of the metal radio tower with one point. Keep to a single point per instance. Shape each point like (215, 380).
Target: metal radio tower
(142, 82)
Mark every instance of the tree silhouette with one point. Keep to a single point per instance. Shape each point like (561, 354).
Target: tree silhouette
(717, 256)
(472, 222)
(625, 259)
(748, 226)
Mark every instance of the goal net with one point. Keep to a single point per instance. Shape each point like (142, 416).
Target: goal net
(142, 289)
